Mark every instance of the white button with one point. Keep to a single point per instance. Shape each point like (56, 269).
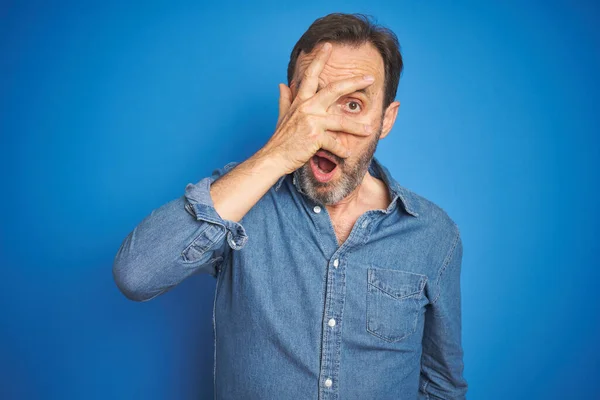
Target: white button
(336, 263)
(317, 209)
(331, 322)
(328, 382)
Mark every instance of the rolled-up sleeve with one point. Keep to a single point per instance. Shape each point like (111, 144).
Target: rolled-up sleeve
(183, 237)
(442, 359)
(200, 205)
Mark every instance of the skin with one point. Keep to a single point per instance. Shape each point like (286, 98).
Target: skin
(353, 189)
(319, 112)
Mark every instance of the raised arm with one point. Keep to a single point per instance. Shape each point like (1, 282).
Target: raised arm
(193, 233)
(188, 235)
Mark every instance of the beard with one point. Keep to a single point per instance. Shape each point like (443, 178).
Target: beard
(351, 176)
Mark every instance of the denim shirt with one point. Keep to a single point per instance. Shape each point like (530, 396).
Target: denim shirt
(298, 316)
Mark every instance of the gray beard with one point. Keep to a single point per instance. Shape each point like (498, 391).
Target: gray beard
(333, 192)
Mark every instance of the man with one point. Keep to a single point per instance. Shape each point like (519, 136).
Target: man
(332, 280)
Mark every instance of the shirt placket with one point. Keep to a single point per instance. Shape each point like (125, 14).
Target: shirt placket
(335, 291)
(332, 327)
(335, 296)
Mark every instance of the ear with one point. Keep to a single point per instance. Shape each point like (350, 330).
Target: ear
(389, 118)
(293, 88)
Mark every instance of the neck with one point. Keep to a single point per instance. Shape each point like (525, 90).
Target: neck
(371, 193)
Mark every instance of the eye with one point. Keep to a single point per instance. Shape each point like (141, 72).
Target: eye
(353, 106)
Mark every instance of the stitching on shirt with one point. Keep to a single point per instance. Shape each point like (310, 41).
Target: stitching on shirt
(297, 195)
(226, 255)
(425, 384)
(338, 333)
(202, 249)
(381, 172)
(189, 209)
(196, 243)
(319, 232)
(326, 332)
(395, 296)
(215, 337)
(231, 227)
(324, 285)
(445, 264)
(407, 205)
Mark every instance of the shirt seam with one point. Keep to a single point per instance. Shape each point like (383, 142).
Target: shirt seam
(215, 337)
(425, 388)
(445, 264)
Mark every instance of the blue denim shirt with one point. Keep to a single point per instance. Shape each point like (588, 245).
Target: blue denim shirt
(297, 316)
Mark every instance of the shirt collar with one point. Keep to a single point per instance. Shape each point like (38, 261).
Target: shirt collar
(378, 170)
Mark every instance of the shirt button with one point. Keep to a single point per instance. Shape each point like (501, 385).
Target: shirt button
(331, 322)
(317, 209)
(336, 263)
(328, 382)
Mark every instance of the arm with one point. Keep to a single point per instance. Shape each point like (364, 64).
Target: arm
(188, 235)
(442, 358)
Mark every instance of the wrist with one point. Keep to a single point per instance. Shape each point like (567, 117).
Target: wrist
(269, 163)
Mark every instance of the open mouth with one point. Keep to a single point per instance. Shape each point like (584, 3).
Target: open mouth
(323, 166)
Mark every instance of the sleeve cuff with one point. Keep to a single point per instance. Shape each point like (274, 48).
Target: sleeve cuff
(201, 206)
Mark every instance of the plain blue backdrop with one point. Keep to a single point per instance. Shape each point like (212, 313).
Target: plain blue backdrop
(108, 112)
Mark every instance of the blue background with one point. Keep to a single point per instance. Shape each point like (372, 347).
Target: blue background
(108, 112)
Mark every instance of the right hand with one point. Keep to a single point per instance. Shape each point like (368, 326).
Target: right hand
(304, 125)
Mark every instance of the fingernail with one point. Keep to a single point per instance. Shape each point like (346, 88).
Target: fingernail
(368, 78)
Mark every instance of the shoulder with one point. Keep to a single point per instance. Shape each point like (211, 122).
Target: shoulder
(430, 216)
(431, 211)
(437, 230)
(425, 212)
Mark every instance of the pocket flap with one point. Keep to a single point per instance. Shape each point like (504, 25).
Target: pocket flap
(396, 283)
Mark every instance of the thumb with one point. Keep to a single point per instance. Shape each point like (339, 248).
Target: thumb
(285, 101)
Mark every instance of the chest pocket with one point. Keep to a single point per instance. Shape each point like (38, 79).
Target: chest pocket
(393, 303)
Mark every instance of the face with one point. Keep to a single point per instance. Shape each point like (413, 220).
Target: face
(365, 107)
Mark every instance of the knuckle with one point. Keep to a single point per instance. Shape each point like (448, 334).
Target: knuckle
(333, 88)
(303, 108)
(341, 120)
(314, 136)
(311, 122)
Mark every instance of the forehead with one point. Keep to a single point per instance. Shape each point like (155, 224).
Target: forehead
(345, 61)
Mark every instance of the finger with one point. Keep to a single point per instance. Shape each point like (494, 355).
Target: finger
(337, 89)
(328, 142)
(340, 123)
(310, 79)
(285, 100)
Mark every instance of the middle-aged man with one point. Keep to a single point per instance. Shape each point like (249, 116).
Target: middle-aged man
(332, 280)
